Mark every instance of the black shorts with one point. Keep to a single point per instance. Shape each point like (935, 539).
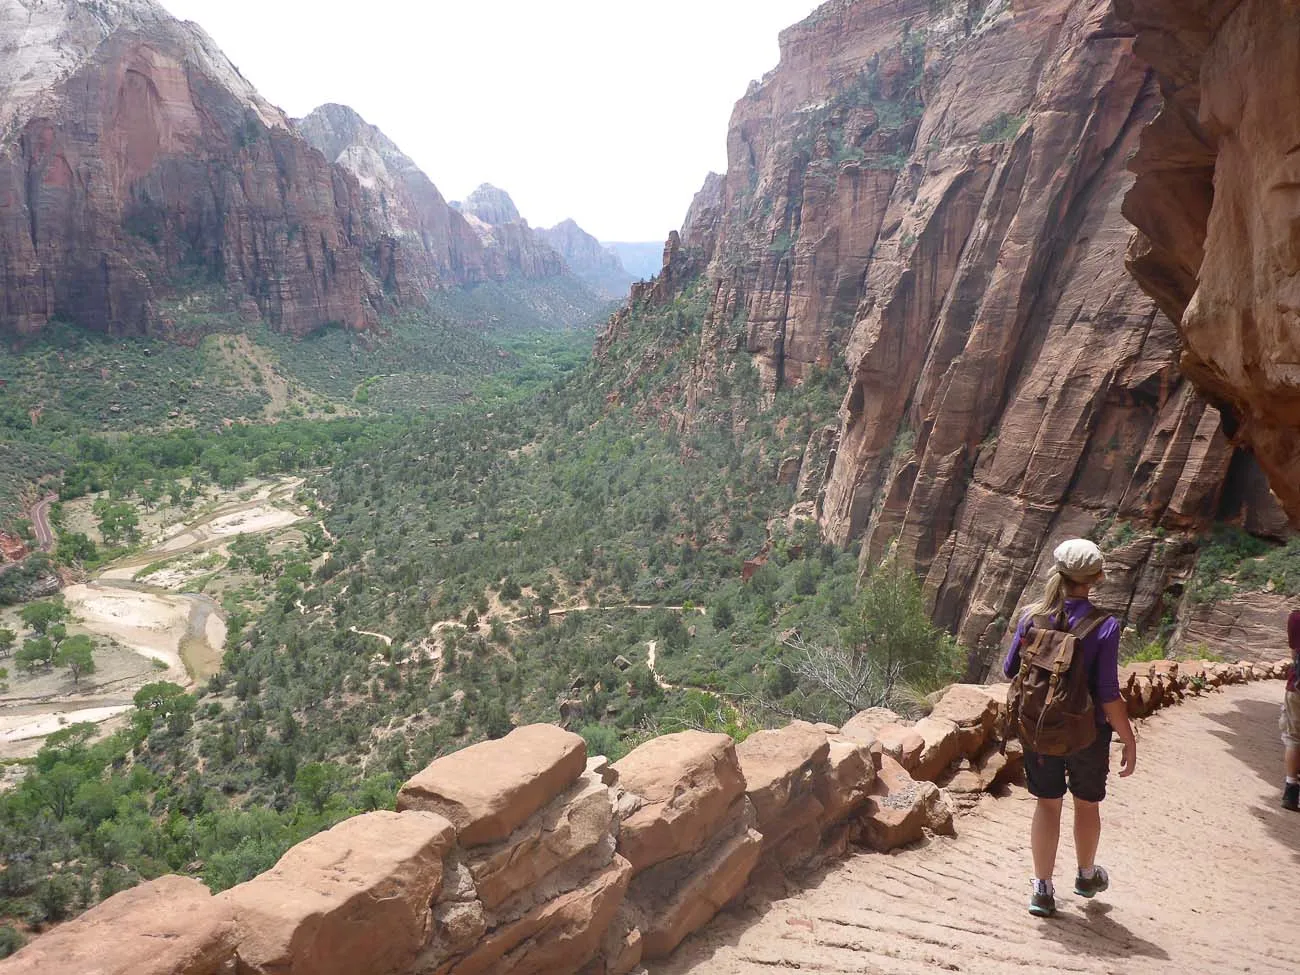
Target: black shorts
(1085, 770)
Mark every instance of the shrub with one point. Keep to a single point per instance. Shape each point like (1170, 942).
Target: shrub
(10, 940)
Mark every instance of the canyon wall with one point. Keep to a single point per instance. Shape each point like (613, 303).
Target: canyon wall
(523, 856)
(136, 160)
(1217, 200)
(436, 246)
(928, 196)
(139, 168)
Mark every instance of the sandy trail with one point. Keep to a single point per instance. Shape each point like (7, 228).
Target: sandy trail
(651, 658)
(1203, 865)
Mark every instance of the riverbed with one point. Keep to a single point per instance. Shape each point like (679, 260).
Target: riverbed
(182, 633)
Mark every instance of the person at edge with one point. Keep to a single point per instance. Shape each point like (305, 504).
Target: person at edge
(1290, 722)
(1079, 565)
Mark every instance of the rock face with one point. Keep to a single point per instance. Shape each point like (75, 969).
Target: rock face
(438, 247)
(598, 266)
(1216, 200)
(137, 158)
(518, 247)
(927, 198)
(137, 166)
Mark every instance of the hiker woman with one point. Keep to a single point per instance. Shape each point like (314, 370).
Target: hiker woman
(1290, 722)
(1064, 747)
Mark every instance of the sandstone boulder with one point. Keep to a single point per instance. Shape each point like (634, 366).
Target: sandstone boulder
(169, 926)
(901, 744)
(355, 898)
(683, 787)
(620, 948)
(850, 774)
(574, 824)
(900, 809)
(601, 765)
(561, 935)
(864, 726)
(784, 770)
(943, 741)
(680, 897)
(974, 710)
(489, 790)
(986, 771)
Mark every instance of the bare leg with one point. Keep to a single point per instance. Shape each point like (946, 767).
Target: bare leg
(1045, 836)
(1293, 761)
(1087, 831)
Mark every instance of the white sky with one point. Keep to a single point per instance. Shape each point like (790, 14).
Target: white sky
(608, 111)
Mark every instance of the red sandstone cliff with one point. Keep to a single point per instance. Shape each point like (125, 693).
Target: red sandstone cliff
(138, 165)
(137, 158)
(929, 196)
(1216, 199)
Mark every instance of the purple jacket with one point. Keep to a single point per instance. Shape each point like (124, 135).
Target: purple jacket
(1100, 655)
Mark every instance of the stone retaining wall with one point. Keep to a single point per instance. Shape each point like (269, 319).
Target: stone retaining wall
(524, 855)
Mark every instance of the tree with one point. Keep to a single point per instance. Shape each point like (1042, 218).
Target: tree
(7, 640)
(77, 653)
(158, 697)
(75, 547)
(39, 616)
(35, 653)
(723, 616)
(316, 782)
(890, 648)
(118, 521)
(150, 494)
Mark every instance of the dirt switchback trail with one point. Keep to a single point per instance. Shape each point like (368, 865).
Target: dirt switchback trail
(1203, 865)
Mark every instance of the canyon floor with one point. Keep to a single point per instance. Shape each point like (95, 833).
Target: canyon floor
(1202, 859)
(158, 628)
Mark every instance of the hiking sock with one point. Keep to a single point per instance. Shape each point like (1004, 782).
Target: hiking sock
(1087, 873)
(1044, 887)
(1292, 780)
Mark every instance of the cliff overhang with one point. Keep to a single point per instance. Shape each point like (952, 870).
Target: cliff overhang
(1217, 206)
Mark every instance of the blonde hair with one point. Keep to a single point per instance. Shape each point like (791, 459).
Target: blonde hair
(1053, 598)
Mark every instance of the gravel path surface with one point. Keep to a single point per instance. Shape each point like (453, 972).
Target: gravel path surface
(1204, 866)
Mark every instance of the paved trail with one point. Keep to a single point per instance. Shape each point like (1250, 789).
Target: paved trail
(40, 514)
(1203, 866)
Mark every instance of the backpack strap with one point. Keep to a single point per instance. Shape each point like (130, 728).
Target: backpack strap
(1085, 627)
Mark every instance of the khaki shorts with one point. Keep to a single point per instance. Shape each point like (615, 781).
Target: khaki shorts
(1290, 720)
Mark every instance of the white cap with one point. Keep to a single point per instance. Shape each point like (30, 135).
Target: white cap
(1079, 559)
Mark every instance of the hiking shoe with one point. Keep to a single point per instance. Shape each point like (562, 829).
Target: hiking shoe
(1042, 905)
(1291, 796)
(1091, 887)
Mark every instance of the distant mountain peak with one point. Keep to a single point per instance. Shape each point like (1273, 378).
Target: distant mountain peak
(491, 204)
(590, 260)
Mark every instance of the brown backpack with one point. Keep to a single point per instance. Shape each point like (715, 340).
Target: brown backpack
(1049, 706)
